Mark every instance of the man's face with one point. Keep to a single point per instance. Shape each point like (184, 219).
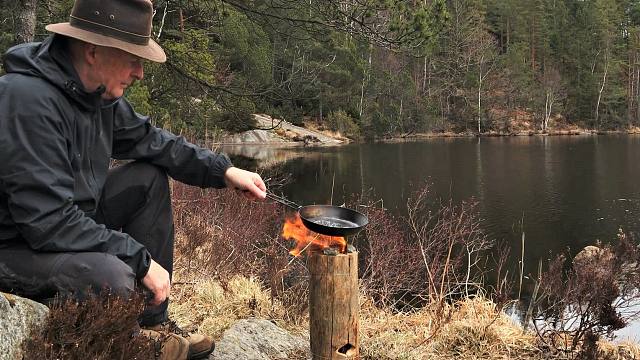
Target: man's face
(116, 70)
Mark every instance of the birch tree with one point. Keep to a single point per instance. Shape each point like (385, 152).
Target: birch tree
(553, 92)
(485, 56)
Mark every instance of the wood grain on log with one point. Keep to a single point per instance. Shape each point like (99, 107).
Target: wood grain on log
(333, 306)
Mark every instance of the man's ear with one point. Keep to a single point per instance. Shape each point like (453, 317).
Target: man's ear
(89, 53)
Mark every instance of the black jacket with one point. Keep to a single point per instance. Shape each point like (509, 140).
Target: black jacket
(56, 141)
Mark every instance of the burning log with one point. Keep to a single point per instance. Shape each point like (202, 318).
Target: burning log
(333, 291)
(333, 306)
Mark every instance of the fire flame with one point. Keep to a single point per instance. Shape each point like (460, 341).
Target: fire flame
(294, 229)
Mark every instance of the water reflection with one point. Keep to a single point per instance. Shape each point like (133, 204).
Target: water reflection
(265, 156)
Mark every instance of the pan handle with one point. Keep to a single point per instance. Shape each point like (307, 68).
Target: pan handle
(283, 201)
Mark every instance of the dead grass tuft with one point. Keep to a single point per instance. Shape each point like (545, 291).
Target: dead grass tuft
(479, 330)
(476, 330)
(622, 351)
(212, 306)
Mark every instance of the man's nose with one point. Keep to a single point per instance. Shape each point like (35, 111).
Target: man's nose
(138, 70)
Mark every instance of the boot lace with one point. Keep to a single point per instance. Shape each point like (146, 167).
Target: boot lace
(172, 327)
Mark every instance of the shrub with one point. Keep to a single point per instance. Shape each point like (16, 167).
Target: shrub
(587, 302)
(431, 255)
(102, 327)
(341, 122)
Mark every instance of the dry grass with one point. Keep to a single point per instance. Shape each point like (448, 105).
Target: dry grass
(625, 350)
(212, 307)
(473, 329)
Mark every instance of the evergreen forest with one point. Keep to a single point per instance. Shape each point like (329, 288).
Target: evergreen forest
(373, 69)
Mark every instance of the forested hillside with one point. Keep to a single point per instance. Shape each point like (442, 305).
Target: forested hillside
(378, 68)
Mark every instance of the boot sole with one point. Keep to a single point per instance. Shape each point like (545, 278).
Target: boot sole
(203, 354)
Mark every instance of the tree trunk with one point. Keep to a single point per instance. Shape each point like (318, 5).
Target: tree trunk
(604, 81)
(550, 99)
(546, 112)
(636, 81)
(508, 33)
(480, 92)
(26, 21)
(365, 79)
(637, 96)
(533, 47)
(424, 76)
(479, 103)
(629, 87)
(181, 19)
(334, 307)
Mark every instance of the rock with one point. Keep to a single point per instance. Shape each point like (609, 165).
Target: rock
(253, 137)
(255, 339)
(591, 256)
(18, 316)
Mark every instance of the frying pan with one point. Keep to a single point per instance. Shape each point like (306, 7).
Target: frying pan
(326, 219)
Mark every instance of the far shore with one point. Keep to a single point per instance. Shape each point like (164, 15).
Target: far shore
(247, 138)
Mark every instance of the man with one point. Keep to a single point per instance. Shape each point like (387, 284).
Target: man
(67, 222)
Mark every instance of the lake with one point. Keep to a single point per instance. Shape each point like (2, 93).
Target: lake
(563, 192)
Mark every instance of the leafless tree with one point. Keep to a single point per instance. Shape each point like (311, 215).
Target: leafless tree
(554, 92)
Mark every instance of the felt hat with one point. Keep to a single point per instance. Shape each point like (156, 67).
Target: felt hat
(122, 24)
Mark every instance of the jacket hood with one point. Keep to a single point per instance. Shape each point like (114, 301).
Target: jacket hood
(51, 61)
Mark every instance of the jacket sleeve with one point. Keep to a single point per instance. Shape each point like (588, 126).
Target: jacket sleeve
(37, 177)
(135, 138)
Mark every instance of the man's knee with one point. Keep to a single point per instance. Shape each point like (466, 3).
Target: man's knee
(97, 272)
(145, 172)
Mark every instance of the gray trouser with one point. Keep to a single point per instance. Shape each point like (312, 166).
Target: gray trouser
(135, 200)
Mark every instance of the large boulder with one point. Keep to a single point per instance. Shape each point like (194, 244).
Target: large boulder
(255, 339)
(18, 316)
(592, 254)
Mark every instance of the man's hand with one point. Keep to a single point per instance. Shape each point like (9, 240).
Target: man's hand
(157, 281)
(249, 182)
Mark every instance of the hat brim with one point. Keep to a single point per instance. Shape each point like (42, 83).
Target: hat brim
(151, 51)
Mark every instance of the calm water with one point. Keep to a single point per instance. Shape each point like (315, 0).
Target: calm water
(562, 192)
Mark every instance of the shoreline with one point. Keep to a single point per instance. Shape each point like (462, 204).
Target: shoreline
(339, 140)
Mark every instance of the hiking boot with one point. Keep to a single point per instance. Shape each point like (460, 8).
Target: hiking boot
(200, 346)
(168, 346)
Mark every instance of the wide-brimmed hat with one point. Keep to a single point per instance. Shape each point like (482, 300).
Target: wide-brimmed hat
(122, 24)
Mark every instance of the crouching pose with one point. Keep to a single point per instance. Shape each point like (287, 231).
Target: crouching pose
(67, 221)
